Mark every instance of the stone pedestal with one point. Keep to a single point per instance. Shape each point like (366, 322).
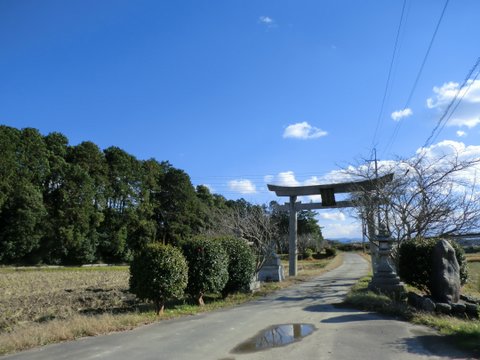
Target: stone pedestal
(385, 279)
(272, 270)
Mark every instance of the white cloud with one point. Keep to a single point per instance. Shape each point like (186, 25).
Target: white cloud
(335, 230)
(461, 133)
(468, 112)
(243, 186)
(400, 114)
(268, 178)
(266, 20)
(468, 122)
(451, 148)
(334, 216)
(287, 178)
(303, 130)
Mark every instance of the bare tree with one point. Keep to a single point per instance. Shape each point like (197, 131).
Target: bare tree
(251, 223)
(429, 196)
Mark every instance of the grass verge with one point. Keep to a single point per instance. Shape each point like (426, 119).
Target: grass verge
(22, 335)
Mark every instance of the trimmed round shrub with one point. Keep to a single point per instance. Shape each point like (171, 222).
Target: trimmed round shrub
(416, 261)
(241, 265)
(157, 273)
(308, 254)
(330, 251)
(207, 267)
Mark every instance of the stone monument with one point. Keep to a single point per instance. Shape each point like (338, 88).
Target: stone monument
(445, 280)
(272, 269)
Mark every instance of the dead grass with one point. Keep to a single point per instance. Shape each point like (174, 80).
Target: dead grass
(475, 257)
(44, 294)
(26, 336)
(472, 287)
(43, 306)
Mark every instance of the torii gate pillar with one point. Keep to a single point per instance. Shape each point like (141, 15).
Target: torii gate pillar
(292, 238)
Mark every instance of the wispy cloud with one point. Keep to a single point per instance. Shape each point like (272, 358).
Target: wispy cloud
(400, 114)
(267, 21)
(268, 178)
(461, 133)
(468, 113)
(303, 131)
(242, 186)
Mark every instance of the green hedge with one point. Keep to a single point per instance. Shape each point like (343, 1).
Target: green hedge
(241, 265)
(157, 273)
(415, 262)
(207, 266)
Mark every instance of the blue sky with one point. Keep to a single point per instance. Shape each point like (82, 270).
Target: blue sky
(238, 93)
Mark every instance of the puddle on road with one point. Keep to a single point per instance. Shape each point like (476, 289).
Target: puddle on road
(274, 336)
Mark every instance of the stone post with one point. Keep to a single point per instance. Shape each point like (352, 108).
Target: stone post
(292, 238)
(385, 279)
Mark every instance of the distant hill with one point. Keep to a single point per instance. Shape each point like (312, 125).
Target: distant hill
(347, 240)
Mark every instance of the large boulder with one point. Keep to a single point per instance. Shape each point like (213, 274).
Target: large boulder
(445, 282)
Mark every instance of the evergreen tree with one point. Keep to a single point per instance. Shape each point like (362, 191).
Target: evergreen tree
(122, 198)
(24, 168)
(20, 222)
(181, 214)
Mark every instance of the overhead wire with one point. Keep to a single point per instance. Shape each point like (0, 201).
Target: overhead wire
(417, 78)
(221, 183)
(447, 114)
(387, 84)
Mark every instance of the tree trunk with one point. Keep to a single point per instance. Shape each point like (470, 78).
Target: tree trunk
(159, 307)
(200, 300)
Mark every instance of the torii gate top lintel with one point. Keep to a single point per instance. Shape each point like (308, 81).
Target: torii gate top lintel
(352, 186)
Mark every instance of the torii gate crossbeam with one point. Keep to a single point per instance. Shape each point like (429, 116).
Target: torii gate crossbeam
(327, 193)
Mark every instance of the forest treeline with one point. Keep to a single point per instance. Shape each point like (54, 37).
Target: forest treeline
(64, 204)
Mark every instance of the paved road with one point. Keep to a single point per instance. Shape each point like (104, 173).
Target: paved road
(339, 333)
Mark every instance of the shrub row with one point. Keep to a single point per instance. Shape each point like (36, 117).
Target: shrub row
(202, 265)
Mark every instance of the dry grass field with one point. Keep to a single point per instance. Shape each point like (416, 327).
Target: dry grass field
(42, 306)
(472, 287)
(40, 295)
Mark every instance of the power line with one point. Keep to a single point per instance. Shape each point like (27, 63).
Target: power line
(253, 176)
(417, 78)
(443, 120)
(426, 56)
(379, 119)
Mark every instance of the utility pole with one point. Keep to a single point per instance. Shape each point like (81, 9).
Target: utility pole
(371, 222)
(377, 191)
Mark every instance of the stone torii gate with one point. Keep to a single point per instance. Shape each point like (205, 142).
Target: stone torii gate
(327, 193)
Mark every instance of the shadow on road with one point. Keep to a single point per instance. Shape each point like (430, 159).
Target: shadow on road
(329, 308)
(433, 344)
(351, 318)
